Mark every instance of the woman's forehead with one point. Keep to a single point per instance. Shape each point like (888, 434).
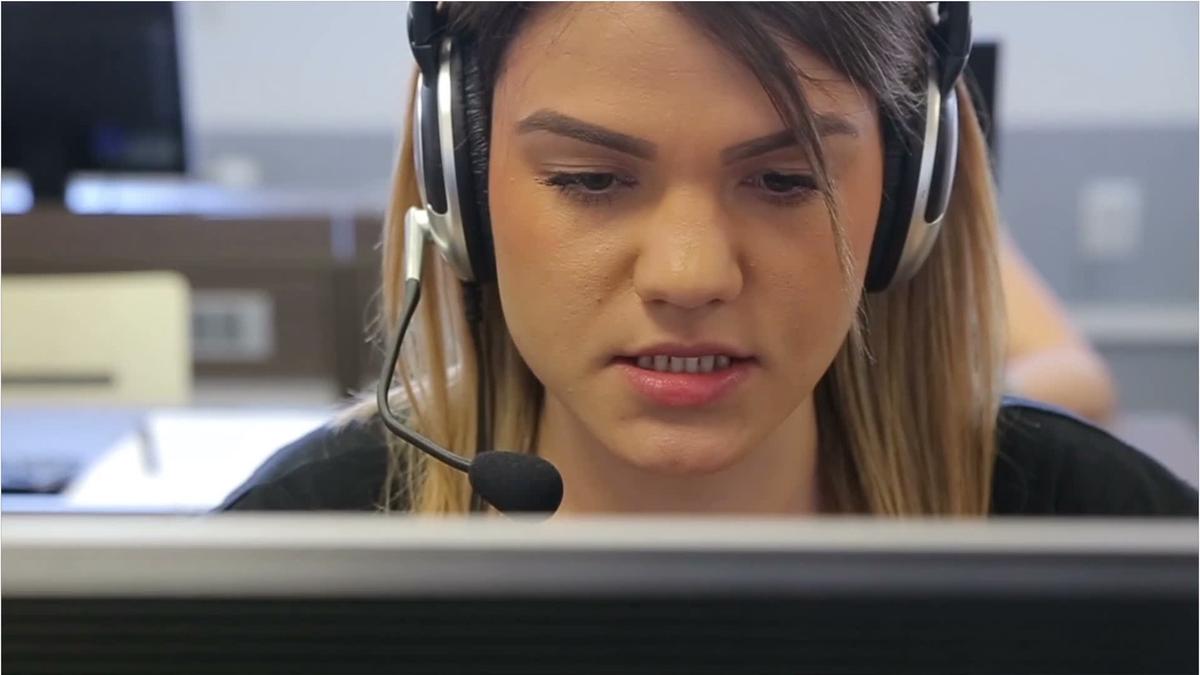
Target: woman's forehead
(649, 60)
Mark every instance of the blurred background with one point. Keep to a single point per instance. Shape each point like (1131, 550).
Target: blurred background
(192, 198)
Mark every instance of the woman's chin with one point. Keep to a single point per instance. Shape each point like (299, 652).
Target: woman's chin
(681, 455)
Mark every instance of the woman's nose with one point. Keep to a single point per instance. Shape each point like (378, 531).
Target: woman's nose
(687, 257)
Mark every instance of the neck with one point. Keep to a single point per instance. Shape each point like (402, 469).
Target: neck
(777, 477)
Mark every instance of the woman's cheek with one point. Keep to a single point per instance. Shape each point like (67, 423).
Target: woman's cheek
(536, 272)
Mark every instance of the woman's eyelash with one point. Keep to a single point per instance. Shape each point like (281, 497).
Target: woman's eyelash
(594, 187)
(785, 189)
(589, 187)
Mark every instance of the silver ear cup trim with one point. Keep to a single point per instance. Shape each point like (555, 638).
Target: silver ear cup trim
(922, 234)
(446, 229)
(416, 233)
(418, 145)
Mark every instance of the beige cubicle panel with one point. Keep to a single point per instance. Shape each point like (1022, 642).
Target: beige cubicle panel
(117, 338)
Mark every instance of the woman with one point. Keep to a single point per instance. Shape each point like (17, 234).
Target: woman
(1048, 358)
(711, 188)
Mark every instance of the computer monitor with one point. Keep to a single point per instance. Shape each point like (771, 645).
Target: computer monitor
(89, 86)
(375, 594)
(984, 67)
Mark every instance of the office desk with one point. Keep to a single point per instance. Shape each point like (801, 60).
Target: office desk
(149, 460)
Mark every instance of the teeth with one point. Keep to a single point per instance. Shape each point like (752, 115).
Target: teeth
(684, 364)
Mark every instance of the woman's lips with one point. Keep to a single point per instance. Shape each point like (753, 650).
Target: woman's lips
(683, 390)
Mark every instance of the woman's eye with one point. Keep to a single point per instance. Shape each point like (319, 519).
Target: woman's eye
(783, 188)
(596, 182)
(589, 187)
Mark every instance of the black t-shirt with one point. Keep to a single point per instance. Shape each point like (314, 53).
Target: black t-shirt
(1049, 463)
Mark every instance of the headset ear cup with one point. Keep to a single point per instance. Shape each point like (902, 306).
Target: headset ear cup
(901, 165)
(476, 125)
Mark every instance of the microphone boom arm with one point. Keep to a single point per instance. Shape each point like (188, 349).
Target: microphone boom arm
(414, 246)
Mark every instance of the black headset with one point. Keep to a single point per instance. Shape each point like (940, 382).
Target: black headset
(450, 145)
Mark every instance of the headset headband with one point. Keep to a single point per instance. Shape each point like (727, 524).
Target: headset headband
(950, 38)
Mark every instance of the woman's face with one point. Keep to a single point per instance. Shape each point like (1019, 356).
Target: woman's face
(648, 218)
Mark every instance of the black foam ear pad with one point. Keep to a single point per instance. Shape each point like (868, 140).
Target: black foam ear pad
(901, 171)
(472, 122)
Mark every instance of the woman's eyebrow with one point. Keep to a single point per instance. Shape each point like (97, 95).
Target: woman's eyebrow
(827, 125)
(564, 125)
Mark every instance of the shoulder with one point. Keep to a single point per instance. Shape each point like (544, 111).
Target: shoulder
(335, 467)
(1051, 462)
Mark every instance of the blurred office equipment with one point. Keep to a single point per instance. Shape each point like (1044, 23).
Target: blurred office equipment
(90, 86)
(95, 370)
(279, 303)
(16, 195)
(309, 594)
(79, 351)
(46, 447)
(73, 459)
(279, 296)
(201, 456)
(96, 338)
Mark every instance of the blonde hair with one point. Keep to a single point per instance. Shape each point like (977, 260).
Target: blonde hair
(906, 412)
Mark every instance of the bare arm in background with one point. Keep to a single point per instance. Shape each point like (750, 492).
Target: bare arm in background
(1048, 359)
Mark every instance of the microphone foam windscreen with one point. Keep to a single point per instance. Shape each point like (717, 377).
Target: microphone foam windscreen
(516, 483)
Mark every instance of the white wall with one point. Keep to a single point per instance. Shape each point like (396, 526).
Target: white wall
(294, 66)
(325, 66)
(1094, 63)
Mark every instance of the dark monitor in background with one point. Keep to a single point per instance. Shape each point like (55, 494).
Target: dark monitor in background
(89, 87)
(984, 65)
